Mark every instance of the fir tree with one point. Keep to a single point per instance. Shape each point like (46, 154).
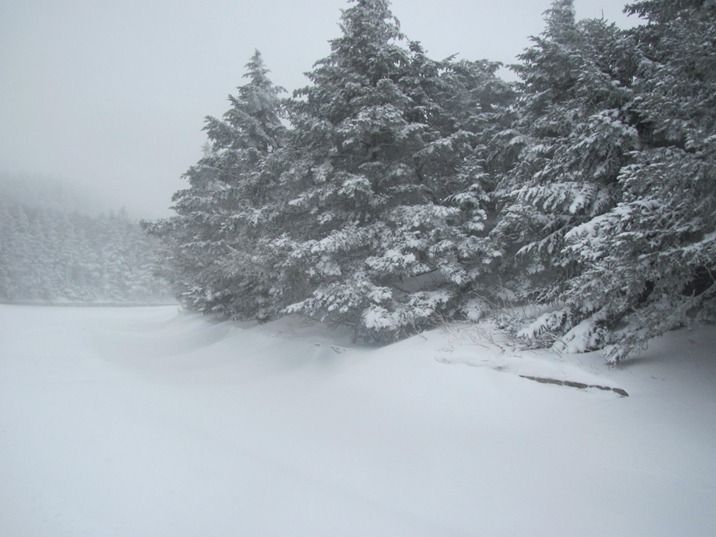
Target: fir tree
(573, 132)
(649, 262)
(378, 142)
(211, 254)
(611, 199)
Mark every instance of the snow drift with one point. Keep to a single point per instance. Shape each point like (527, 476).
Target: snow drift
(146, 421)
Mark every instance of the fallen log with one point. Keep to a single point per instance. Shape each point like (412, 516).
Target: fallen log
(572, 384)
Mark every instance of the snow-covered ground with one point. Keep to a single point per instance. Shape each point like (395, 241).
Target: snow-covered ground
(147, 422)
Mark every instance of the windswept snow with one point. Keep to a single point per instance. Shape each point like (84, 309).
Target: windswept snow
(147, 422)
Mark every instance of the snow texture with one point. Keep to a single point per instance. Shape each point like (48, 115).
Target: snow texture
(143, 421)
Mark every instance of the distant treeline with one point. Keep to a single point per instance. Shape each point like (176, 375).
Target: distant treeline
(51, 254)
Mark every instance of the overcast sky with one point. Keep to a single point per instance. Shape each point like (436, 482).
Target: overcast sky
(112, 94)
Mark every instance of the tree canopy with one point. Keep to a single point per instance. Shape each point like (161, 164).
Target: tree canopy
(396, 191)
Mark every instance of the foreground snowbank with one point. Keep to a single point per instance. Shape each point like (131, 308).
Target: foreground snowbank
(143, 421)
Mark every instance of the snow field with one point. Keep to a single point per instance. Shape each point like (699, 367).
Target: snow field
(145, 422)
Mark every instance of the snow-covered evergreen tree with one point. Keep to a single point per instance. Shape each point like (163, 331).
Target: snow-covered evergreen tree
(572, 135)
(649, 262)
(382, 141)
(610, 200)
(407, 189)
(572, 132)
(211, 258)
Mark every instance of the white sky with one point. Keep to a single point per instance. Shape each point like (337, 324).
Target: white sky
(112, 94)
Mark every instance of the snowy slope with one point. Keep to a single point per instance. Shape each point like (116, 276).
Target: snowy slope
(147, 422)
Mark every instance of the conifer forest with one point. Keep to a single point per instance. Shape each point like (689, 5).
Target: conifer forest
(397, 191)
(575, 205)
(417, 296)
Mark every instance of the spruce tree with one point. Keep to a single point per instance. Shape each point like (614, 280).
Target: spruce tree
(649, 262)
(574, 130)
(610, 201)
(380, 142)
(210, 256)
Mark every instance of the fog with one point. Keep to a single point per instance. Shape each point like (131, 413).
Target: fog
(112, 95)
